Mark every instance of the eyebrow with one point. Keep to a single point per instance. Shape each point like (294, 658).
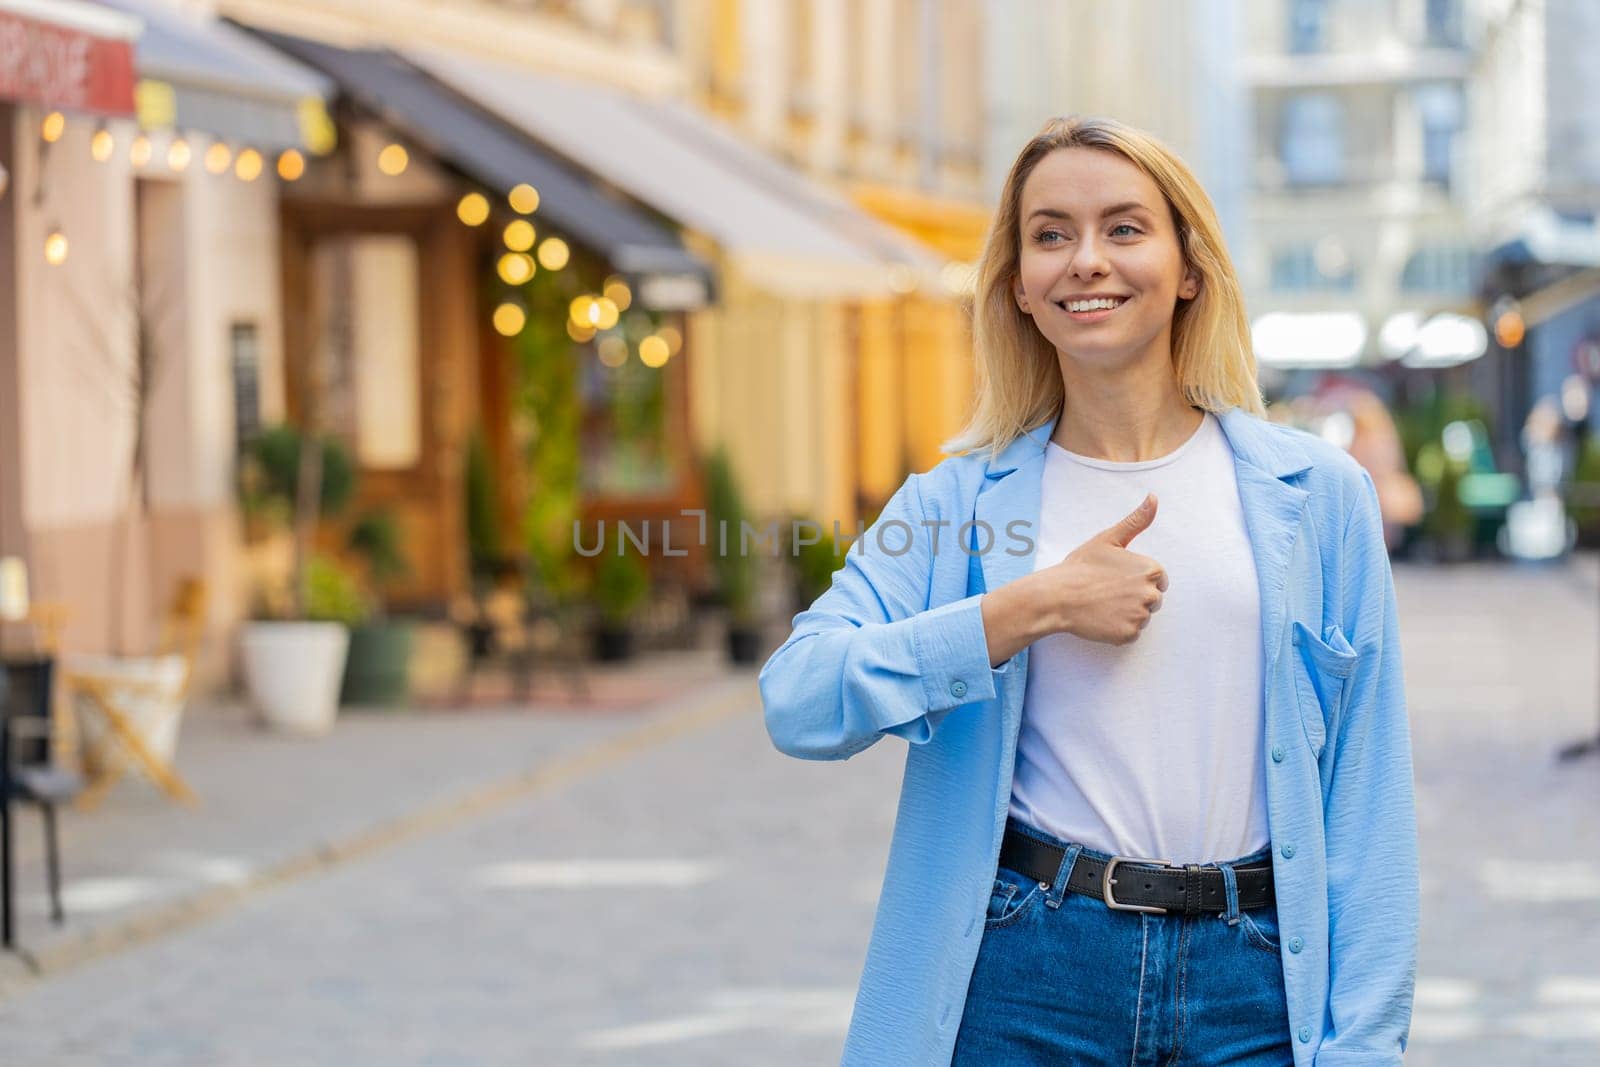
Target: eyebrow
(1114, 209)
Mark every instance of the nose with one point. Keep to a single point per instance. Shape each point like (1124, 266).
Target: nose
(1088, 260)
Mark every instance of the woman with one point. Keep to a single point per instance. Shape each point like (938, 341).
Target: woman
(1144, 649)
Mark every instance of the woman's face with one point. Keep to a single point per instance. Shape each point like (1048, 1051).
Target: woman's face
(1094, 225)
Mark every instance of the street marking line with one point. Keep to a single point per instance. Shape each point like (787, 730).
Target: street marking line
(792, 1010)
(586, 874)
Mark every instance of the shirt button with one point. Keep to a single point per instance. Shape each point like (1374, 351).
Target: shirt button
(958, 688)
(1288, 852)
(1305, 1034)
(1295, 944)
(1277, 753)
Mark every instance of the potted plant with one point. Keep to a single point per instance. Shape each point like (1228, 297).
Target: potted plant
(293, 650)
(621, 584)
(814, 565)
(1448, 524)
(377, 669)
(734, 568)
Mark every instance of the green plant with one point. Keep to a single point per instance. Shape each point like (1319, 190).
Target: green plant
(1448, 519)
(270, 470)
(376, 538)
(621, 583)
(734, 568)
(546, 420)
(1586, 484)
(814, 565)
(333, 594)
(275, 466)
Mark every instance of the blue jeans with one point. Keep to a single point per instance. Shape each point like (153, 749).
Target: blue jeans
(1063, 979)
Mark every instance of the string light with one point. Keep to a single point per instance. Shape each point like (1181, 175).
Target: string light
(509, 319)
(53, 126)
(605, 314)
(179, 155)
(583, 311)
(55, 248)
(102, 146)
(524, 199)
(613, 351)
(218, 157)
(515, 268)
(617, 291)
(519, 235)
(579, 332)
(247, 168)
(139, 151)
(554, 253)
(653, 351)
(673, 338)
(291, 164)
(473, 209)
(392, 160)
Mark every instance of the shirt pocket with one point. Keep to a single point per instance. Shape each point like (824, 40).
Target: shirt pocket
(1322, 678)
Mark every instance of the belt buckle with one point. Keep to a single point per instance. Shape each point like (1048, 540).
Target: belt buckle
(1106, 881)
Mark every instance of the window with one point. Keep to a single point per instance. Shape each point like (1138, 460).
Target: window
(368, 316)
(1443, 23)
(630, 416)
(1295, 269)
(1311, 139)
(244, 354)
(1308, 25)
(1438, 269)
(1439, 107)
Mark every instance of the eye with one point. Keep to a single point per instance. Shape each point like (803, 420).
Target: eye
(1124, 226)
(1040, 237)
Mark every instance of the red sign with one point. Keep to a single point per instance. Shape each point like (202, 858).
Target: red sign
(58, 66)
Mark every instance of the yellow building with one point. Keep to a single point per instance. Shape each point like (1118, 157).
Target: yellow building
(826, 318)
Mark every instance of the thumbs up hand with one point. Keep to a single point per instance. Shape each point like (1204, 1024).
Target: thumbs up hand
(1101, 592)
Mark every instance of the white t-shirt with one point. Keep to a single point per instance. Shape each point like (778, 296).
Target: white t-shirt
(1151, 749)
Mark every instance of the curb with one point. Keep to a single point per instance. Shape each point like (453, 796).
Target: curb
(679, 715)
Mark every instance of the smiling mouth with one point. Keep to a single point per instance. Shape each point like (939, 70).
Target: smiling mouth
(1089, 307)
(1092, 311)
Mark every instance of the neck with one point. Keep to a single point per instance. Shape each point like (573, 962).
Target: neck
(1132, 417)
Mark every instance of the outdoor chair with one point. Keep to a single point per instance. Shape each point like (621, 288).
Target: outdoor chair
(29, 774)
(511, 623)
(131, 709)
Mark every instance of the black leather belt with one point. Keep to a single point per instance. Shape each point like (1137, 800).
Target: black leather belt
(1129, 884)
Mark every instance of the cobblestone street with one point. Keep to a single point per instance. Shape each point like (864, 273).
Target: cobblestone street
(697, 898)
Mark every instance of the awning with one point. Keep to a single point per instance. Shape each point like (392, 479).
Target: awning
(478, 145)
(1539, 234)
(781, 230)
(200, 73)
(65, 54)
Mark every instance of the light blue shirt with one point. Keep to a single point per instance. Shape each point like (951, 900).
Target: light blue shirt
(897, 646)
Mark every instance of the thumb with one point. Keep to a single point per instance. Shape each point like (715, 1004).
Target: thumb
(1137, 521)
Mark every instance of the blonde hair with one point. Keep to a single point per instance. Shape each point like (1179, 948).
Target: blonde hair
(1019, 384)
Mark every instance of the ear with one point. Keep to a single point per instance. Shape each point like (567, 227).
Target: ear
(1020, 296)
(1189, 288)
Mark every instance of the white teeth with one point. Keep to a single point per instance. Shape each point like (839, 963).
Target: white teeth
(1100, 304)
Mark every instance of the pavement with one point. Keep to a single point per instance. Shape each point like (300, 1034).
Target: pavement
(276, 807)
(656, 885)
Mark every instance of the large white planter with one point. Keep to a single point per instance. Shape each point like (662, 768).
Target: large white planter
(146, 689)
(292, 671)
